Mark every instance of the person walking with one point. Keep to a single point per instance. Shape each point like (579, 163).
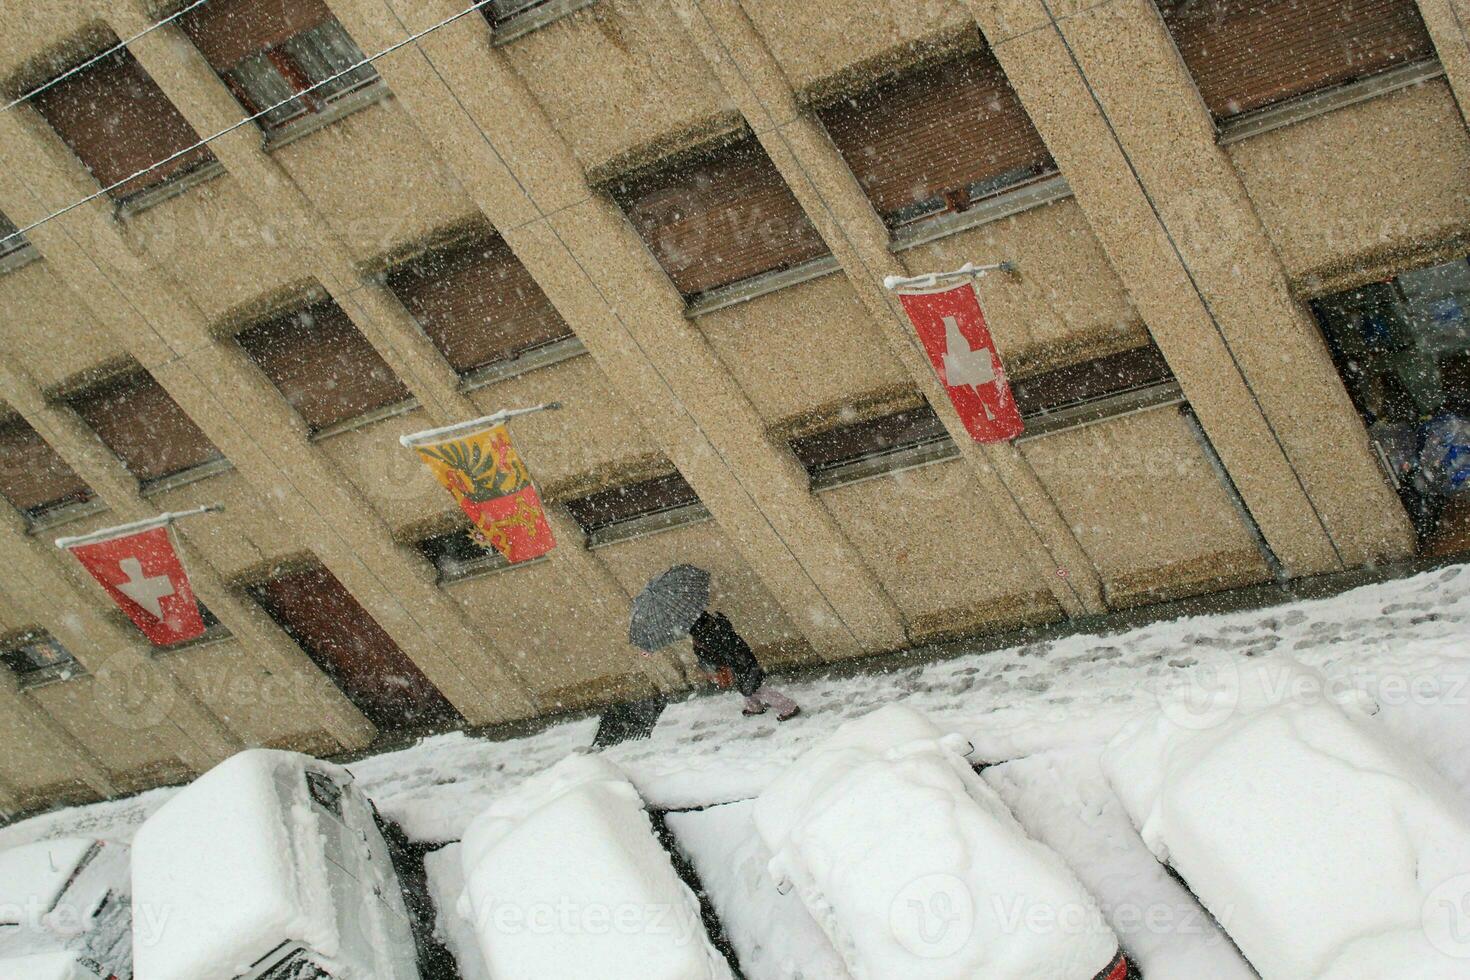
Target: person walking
(723, 653)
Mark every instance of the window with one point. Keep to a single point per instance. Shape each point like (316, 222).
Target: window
(269, 52)
(119, 122)
(635, 509)
(36, 656)
(851, 452)
(477, 303)
(11, 240)
(499, 12)
(719, 216)
(1087, 382)
(1251, 54)
(321, 364)
(324, 792)
(457, 555)
(137, 420)
(937, 139)
(33, 477)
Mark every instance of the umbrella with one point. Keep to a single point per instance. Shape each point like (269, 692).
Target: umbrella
(668, 606)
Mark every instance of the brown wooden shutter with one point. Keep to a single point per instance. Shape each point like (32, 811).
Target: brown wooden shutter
(608, 507)
(118, 121)
(720, 217)
(322, 365)
(845, 444)
(1248, 54)
(914, 140)
(477, 303)
(32, 476)
(225, 31)
(1101, 377)
(137, 420)
(353, 650)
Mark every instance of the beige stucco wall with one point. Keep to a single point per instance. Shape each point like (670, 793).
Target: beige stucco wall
(44, 327)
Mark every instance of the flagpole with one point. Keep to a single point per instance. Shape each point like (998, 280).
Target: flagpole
(931, 279)
(444, 432)
(147, 524)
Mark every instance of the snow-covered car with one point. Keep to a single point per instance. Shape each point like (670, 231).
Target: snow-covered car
(1323, 847)
(271, 866)
(564, 878)
(914, 868)
(64, 911)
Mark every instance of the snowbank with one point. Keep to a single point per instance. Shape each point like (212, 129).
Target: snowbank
(914, 868)
(33, 876)
(1314, 838)
(216, 870)
(44, 966)
(566, 873)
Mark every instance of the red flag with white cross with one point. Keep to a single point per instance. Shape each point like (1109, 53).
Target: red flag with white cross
(144, 575)
(951, 326)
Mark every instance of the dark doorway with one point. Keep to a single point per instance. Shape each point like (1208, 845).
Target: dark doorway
(1402, 347)
(354, 651)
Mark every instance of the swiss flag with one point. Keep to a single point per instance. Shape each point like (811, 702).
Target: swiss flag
(952, 328)
(145, 577)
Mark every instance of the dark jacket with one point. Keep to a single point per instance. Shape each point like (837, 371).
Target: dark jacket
(717, 645)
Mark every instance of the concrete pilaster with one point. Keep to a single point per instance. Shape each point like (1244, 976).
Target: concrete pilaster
(38, 729)
(1448, 22)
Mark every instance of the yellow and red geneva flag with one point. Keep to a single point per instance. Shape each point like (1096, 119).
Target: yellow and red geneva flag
(492, 486)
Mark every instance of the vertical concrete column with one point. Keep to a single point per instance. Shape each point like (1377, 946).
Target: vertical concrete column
(584, 254)
(132, 690)
(33, 723)
(1449, 27)
(243, 414)
(1023, 512)
(260, 638)
(1111, 97)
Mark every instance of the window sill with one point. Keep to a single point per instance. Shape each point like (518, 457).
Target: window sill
(523, 363)
(171, 188)
(886, 464)
(535, 19)
(1315, 104)
(210, 637)
(193, 474)
(1104, 409)
(355, 101)
(22, 255)
(364, 420)
(491, 564)
(767, 282)
(46, 676)
(50, 519)
(1044, 190)
(640, 527)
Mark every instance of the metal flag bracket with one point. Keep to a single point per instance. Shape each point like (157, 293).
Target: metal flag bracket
(930, 280)
(147, 524)
(473, 425)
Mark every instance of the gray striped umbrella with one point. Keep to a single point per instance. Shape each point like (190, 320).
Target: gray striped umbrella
(668, 606)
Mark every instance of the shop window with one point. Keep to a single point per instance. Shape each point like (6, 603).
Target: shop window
(118, 122)
(635, 509)
(1246, 55)
(144, 427)
(36, 656)
(937, 139)
(35, 480)
(289, 59)
(477, 303)
(719, 216)
(1403, 350)
(323, 366)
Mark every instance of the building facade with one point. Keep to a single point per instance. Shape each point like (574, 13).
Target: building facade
(1239, 233)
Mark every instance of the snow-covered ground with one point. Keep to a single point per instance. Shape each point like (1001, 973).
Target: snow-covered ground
(1042, 711)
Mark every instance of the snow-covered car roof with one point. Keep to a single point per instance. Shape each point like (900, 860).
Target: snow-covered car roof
(914, 867)
(33, 876)
(224, 869)
(564, 878)
(1303, 827)
(44, 966)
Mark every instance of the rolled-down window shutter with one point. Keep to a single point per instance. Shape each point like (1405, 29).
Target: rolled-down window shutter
(137, 420)
(227, 31)
(844, 444)
(1101, 377)
(938, 137)
(720, 217)
(117, 121)
(625, 503)
(32, 476)
(1249, 54)
(326, 369)
(477, 303)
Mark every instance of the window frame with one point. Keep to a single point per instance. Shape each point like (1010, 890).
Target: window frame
(27, 677)
(684, 510)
